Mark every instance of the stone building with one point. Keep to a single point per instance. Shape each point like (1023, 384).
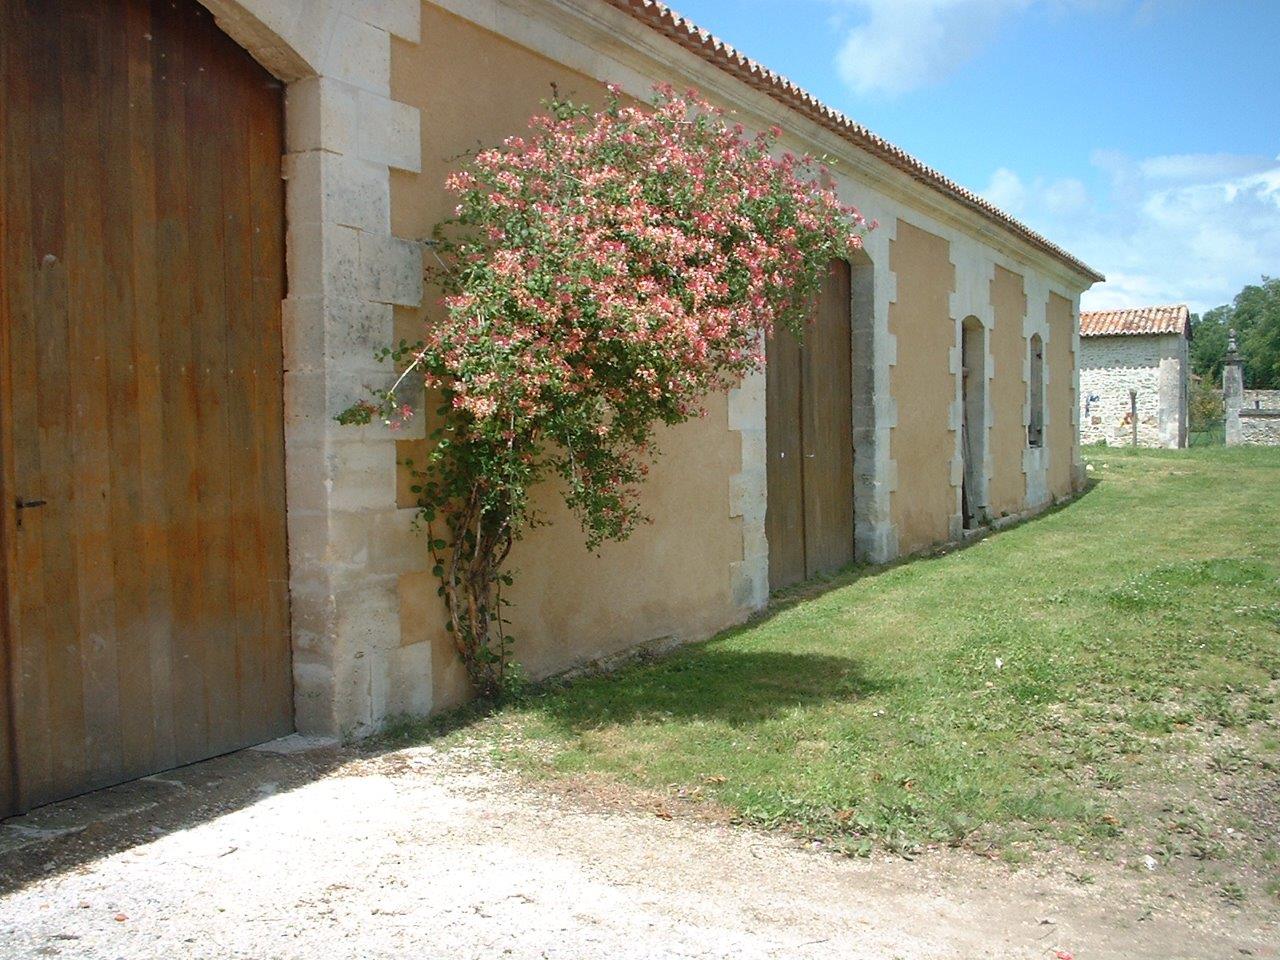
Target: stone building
(218, 217)
(1135, 366)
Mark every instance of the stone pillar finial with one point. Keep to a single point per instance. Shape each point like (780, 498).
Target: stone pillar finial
(1233, 349)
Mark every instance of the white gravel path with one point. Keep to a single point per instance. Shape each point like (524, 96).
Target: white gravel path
(420, 855)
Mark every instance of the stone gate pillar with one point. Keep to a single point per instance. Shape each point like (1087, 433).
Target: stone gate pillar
(1232, 391)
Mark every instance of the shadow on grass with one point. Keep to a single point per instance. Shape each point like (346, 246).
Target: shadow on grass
(703, 682)
(790, 597)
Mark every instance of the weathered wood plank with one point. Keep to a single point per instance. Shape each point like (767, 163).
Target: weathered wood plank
(214, 624)
(82, 381)
(177, 366)
(44, 467)
(155, 625)
(246, 555)
(119, 321)
(784, 516)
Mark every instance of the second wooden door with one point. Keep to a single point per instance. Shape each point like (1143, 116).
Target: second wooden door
(809, 522)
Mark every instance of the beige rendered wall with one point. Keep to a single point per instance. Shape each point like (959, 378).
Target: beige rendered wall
(1061, 438)
(923, 385)
(1007, 486)
(673, 577)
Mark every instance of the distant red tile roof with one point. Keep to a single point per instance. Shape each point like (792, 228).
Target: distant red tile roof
(693, 38)
(1135, 321)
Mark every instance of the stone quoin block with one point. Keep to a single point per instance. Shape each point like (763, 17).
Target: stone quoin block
(390, 270)
(359, 53)
(388, 132)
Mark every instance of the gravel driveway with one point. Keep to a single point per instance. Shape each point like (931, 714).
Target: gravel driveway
(341, 854)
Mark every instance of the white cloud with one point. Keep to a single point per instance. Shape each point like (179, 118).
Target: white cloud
(1190, 228)
(1063, 198)
(897, 46)
(1197, 166)
(1007, 191)
(1066, 196)
(906, 44)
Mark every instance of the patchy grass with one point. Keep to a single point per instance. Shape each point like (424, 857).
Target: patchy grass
(1105, 676)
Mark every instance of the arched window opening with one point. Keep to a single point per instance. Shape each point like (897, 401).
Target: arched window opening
(973, 434)
(1035, 424)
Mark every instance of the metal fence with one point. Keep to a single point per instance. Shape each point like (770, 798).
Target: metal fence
(1207, 433)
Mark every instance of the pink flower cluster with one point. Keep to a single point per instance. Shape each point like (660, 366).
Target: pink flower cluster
(612, 269)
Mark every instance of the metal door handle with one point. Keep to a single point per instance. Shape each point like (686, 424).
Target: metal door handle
(23, 505)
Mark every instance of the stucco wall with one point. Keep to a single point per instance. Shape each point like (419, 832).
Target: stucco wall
(363, 607)
(1006, 490)
(1156, 367)
(924, 386)
(480, 70)
(673, 577)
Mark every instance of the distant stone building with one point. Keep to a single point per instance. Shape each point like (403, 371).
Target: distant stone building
(1134, 364)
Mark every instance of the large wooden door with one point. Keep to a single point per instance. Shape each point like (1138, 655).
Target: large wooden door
(809, 432)
(141, 276)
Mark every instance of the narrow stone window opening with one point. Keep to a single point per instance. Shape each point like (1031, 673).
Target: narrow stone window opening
(973, 430)
(1035, 423)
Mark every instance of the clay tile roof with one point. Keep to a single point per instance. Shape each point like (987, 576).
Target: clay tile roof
(1135, 321)
(670, 24)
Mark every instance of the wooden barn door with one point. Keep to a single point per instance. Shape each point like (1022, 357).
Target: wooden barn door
(141, 438)
(809, 521)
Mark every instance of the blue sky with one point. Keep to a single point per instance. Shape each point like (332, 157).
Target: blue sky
(1142, 135)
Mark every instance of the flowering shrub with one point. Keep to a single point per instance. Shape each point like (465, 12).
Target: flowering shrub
(605, 273)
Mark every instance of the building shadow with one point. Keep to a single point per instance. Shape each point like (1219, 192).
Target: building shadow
(72, 833)
(789, 597)
(706, 682)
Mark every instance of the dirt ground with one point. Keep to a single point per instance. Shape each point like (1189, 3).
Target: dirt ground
(340, 853)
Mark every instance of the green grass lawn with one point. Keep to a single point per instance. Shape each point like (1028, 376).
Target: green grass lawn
(1091, 677)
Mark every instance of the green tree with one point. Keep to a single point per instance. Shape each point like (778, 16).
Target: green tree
(1255, 316)
(1205, 406)
(1209, 343)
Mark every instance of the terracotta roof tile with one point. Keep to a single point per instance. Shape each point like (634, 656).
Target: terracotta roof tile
(1134, 321)
(666, 21)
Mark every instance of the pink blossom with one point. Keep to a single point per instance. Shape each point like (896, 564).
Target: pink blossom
(612, 269)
